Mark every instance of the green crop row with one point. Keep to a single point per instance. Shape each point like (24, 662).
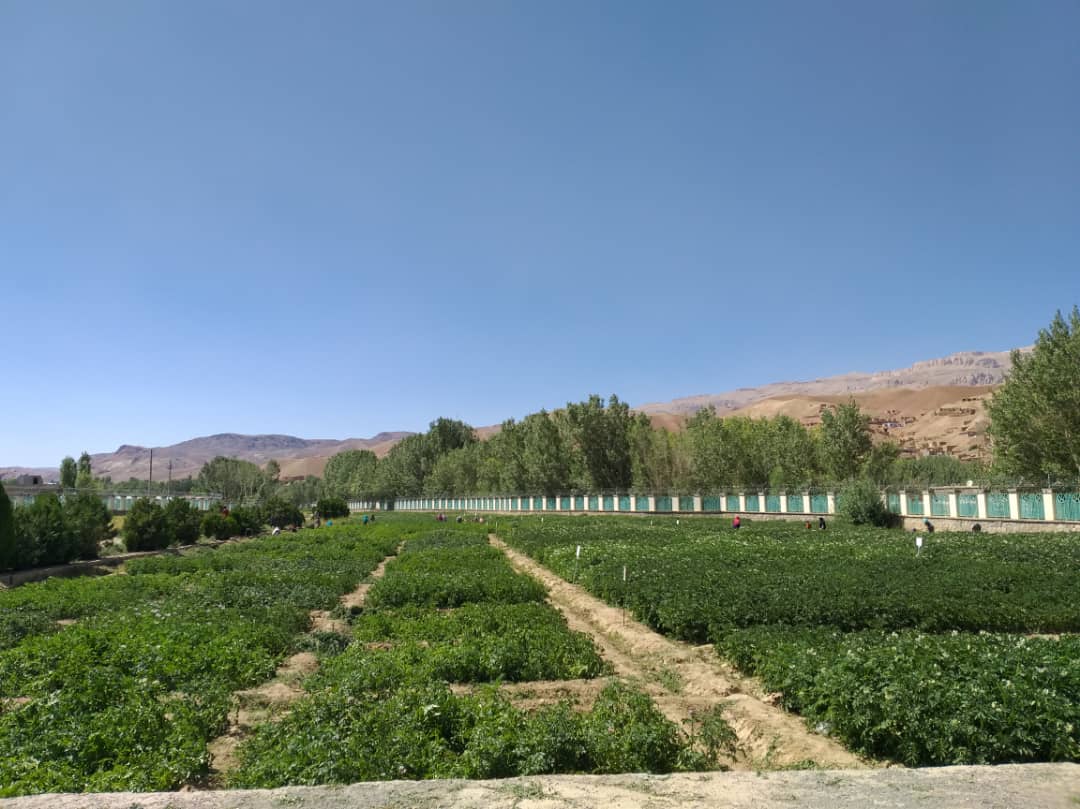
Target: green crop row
(701, 576)
(127, 697)
(452, 574)
(481, 643)
(383, 708)
(957, 698)
(884, 648)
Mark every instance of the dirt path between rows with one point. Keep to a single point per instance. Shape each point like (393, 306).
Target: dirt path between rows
(271, 700)
(686, 680)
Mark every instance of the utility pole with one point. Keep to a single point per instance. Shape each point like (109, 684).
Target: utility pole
(168, 489)
(150, 483)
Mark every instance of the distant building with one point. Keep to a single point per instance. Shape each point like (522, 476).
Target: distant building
(29, 480)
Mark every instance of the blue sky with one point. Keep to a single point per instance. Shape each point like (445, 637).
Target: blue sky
(330, 219)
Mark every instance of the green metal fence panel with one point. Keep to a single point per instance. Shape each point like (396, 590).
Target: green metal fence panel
(538, 503)
(564, 503)
(686, 502)
(663, 503)
(551, 504)
(594, 503)
(579, 503)
(609, 502)
(772, 503)
(997, 505)
(710, 503)
(753, 502)
(732, 502)
(914, 503)
(624, 502)
(819, 503)
(967, 505)
(1031, 506)
(1067, 506)
(641, 502)
(795, 504)
(939, 505)
(526, 503)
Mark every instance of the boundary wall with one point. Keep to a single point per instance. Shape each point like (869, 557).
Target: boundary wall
(953, 508)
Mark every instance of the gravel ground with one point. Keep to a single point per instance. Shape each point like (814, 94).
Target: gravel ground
(1023, 786)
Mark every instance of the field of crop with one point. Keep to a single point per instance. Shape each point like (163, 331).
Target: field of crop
(118, 682)
(127, 681)
(450, 609)
(959, 654)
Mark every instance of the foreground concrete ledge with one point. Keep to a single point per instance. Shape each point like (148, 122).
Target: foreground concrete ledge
(1019, 786)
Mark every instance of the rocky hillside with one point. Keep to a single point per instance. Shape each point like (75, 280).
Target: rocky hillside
(297, 456)
(935, 406)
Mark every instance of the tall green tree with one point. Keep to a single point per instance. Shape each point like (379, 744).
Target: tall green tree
(84, 478)
(7, 531)
(602, 435)
(845, 440)
(1035, 415)
(545, 456)
(68, 472)
(237, 481)
(351, 474)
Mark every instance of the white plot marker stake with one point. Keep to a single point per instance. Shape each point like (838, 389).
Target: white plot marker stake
(918, 545)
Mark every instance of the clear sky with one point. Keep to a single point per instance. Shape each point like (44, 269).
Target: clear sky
(330, 219)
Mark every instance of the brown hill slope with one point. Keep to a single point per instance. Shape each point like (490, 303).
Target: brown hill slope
(297, 456)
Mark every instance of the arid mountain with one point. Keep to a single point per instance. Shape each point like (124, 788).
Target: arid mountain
(934, 406)
(297, 456)
(968, 368)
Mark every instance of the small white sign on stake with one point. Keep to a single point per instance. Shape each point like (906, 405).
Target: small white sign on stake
(624, 572)
(577, 554)
(918, 545)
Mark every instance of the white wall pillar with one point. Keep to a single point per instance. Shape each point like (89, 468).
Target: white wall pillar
(1048, 504)
(926, 504)
(742, 502)
(954, 504)
(980, 501)
(1014, 505)
(652, 503)
(783, 503)
(830, 499)
(697, 503)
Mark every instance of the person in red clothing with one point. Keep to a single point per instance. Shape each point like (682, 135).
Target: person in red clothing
(736, 522)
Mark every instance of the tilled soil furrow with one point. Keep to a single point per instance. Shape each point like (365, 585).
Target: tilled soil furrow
(271, 699)
(683, 680)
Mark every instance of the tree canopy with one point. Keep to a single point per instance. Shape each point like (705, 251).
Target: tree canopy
(1035, 415)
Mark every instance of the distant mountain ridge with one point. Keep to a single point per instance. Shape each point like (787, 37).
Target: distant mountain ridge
(931, 406)
(965, 368)
(298, 457)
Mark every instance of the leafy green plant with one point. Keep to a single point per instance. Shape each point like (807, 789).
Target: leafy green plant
(144, 527)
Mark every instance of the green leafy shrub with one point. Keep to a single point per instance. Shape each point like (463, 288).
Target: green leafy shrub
(43, 534)
(144, 526)
(330, 508)
(249, 520)
(219, 526)
(7, 531)
(90, 521)
(280, 513)
(861, 504)
(182, 522)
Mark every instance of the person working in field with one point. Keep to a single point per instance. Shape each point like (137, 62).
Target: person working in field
(736, 522)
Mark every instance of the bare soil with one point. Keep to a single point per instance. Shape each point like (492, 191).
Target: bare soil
(1011, 786)
(685, 680)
